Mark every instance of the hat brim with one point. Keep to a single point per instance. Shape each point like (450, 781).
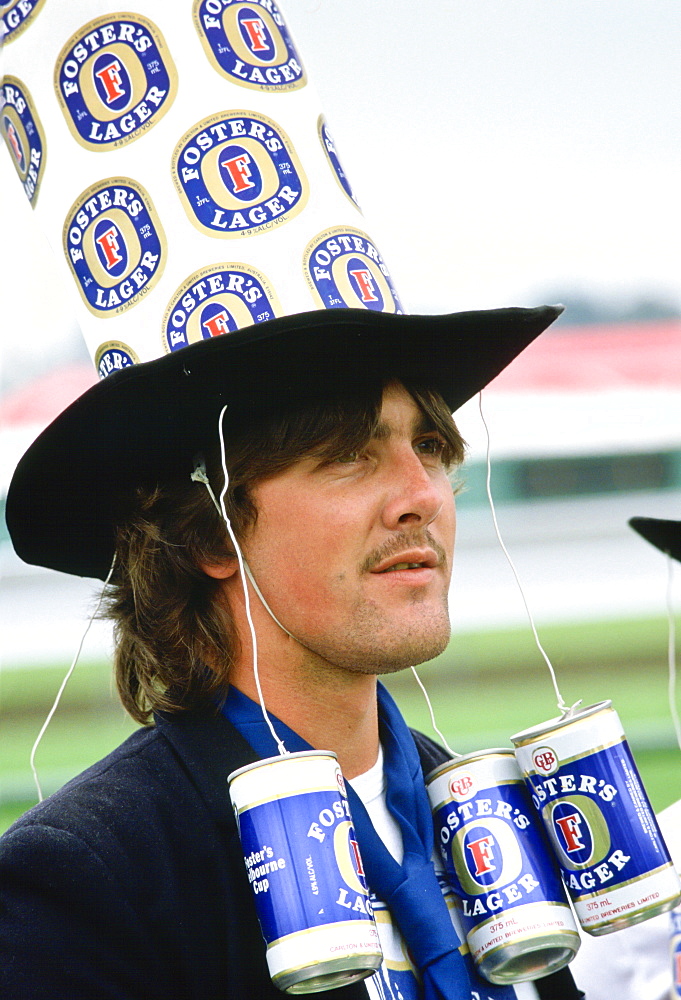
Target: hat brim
(664, 535)
(146, 422)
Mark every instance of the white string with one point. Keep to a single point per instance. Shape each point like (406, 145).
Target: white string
(671, 651)
(201, 476)
(264, 603)
(432, 714)
(62, 687)
(562, 707)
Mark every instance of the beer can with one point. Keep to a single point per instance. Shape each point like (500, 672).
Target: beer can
(585, 784)
(305, 870)
(513, 905)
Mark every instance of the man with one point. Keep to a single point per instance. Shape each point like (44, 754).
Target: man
(335, 432)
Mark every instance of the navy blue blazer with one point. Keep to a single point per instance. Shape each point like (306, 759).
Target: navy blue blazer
(129, 883)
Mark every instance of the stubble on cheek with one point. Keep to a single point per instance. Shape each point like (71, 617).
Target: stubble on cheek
(373, 640)
(419, 633)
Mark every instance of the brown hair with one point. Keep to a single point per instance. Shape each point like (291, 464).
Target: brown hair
(168, 621)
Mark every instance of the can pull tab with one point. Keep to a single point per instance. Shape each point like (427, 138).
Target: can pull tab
(568, 713)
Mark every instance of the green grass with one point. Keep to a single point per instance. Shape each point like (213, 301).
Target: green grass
(13, 810)
(70, 744)
(32, 689)
(484, 688)
(495, 705)
(87, 725)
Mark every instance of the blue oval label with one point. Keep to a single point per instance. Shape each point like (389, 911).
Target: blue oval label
(344, 269)
(23, 134)
(238, 174)
(113, 83)
(490, 854)
(114, 245)
(215, 301)
(573, 833)
(114, 357)
(16, 17)
(110, 246)
(114, 80)
(249, 43)
(255, 35)
(329, 147)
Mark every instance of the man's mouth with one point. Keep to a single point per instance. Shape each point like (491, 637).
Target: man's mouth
(401, 553)
(424, 558)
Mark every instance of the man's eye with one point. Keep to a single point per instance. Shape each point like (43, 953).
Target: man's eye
(431, 446)
(351, 456)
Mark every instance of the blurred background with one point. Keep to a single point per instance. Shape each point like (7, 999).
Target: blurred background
(507, 152)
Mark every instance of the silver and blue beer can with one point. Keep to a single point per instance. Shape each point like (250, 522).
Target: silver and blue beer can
(587, 789)
(513, 906)
(305, 870)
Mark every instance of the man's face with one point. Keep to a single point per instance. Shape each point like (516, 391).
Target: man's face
(354, 556)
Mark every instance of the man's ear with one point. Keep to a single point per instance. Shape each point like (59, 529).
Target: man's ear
(222, 570)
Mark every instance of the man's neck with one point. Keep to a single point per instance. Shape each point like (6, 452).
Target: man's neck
(329, 708)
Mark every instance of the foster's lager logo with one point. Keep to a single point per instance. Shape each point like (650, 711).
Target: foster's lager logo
(491, 853)
(114, 245)
(591, 825)
(329, 147)
(114, 80)
(16, 16)
(486, 855)
(575, 833)
(217, 300)
(237, 174)
(249, 43)
(344, 269)
(579, 831)
(23, 134)
(113, 357)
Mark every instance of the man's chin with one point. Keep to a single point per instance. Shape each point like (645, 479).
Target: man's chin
(393, 656)
(375, 645)
(413, 658)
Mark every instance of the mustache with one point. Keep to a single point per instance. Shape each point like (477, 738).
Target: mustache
(399, 543)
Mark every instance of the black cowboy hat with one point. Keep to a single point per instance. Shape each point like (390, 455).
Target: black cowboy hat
(664, 535)
(145, 423)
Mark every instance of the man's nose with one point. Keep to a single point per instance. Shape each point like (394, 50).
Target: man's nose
(415, 497)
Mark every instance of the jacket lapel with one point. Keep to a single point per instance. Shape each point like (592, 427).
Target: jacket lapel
(209, 748)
